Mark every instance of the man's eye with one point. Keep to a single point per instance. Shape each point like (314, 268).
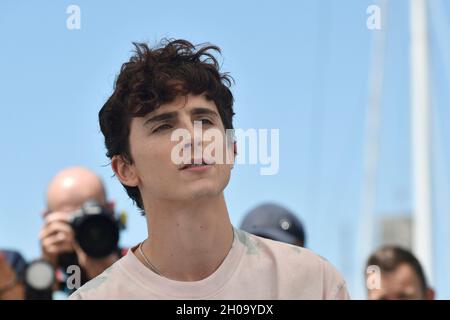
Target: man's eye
(206, 121)
(162, 128)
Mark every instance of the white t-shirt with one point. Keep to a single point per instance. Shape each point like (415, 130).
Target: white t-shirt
(255, 268)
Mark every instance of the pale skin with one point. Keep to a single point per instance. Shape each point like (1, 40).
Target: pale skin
(401, 284)
(66, 193)
(190, 232)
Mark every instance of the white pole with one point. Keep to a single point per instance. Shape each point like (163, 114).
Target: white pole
(420, 143)
(372, 136)
(367, 225)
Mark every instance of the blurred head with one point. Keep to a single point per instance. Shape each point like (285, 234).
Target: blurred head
(274, 222)
(402, 276)
(67, 192)
(157, 92)
(12, 272)
(72, 187)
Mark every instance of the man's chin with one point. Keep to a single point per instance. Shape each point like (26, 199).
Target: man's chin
(203, 193)
(203, 189)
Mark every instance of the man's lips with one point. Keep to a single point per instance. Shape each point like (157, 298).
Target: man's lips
(194, 166)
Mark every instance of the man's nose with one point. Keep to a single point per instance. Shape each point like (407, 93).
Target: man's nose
(195, 142)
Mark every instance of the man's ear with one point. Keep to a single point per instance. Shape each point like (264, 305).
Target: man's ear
(124, 171)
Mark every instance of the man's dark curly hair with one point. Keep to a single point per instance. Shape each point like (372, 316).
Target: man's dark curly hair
(155, 76)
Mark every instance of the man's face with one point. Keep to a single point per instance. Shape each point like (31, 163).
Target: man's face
(151, 147)
(400, 284)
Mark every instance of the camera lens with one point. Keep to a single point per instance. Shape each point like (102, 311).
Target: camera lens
(39, 275)
(39, 279)
(98, 235)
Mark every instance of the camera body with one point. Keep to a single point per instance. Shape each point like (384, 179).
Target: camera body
(96, 229)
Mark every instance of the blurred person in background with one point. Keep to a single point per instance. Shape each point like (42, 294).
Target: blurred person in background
(401, 276)
(12, 268)
(272, 221)
(67, 192)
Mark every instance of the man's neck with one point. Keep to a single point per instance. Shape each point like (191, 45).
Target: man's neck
(188, 241)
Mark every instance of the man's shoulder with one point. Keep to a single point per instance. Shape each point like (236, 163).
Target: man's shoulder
(301, 264)
(280, 250)
(296, 265)
(98, 287)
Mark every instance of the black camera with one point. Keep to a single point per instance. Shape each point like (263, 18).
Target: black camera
(96, 229)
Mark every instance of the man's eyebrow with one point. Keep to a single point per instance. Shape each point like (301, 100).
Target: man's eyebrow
(161, 117)
(205, 111)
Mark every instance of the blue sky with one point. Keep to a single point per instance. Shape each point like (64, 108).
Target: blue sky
(299, 66)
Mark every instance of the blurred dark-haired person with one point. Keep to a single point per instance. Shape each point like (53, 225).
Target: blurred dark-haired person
(192, 250)
(273, 221)
(12, 268)
(401, 276)
(66, 193)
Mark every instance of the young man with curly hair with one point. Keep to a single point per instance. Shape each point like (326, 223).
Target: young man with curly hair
(192, 250)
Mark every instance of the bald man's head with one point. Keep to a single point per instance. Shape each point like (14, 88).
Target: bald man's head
(72, 187)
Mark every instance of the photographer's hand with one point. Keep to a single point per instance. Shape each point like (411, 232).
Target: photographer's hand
(56, 236)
